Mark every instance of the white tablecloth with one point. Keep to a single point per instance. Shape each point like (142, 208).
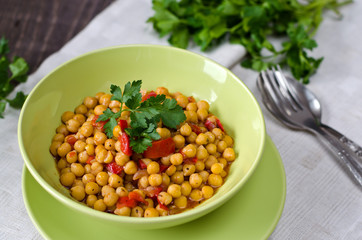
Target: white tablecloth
(321, 203)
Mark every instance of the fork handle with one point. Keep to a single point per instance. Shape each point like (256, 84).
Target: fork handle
(354, 147)
(343, 151)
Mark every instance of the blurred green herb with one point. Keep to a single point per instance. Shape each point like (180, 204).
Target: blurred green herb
(11, 73)
(250, 23)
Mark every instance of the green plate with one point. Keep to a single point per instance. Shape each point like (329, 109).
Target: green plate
(251, 214)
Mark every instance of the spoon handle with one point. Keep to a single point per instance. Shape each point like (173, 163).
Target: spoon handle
(354, 147)
(344, 153)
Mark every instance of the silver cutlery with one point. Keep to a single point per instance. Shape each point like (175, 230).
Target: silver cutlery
(298, 108)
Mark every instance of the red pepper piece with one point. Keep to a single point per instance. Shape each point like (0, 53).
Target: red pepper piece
(160, 148)
(219, 124)
(123, 124)
(125, 144)
(142, 164)
(196, 129)
(162, 206)
(99, 125)
(113, 167)
(183, 154)
(153, 191)
(209, 125)
(148, 95)
(137, 197)
(126, 202)
(90, 158)
(190, 160)
(163, 168)
(71, 139)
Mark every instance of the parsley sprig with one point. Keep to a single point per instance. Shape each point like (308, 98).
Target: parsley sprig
(250, 23)
(144, 115)
(11, 73)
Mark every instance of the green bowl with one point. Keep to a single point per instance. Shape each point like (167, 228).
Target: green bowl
(178, 70)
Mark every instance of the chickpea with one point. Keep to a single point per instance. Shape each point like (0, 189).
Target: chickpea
(143, 182)
(137, 212)
(90, 102)
(162, 90)
(107, 189)
(121, 158)
(199, 166)
(188, 169)
(177, 177)
(191, 107)
(99, 109)
(211, 148)
(202, 104)
(219, 134)
(223, 161)
(185, 130)
(98, 149)
(166, 160)
(163, 132)
(182, 100)
(201, 139)
(86, 130)
(207, 191)
(176, 159)
(109, 157)
(191, 138)
(210, 137)
(189, 151)
(209, 161)
(204, 175)
(186, 188)
(105, 99)
(73, 125)
(63, 149)
(83, 157)
(155, 180)
(130, 167)
(174, 190)
(192, 117)
(65, 170)
(196, 195)
(114, 104)
(164, 198)
(151, 212)
(229, 154)
(78, 192)
(62, 163)
(99, 138)
(81, 109)
(80, 118)
(54, 147)
(217, 168)
(91, 199)
(88, 177)
(115, 181)
(153, 167)
(92, 188)
(122, 191)
(89, 148)
(229, 141)
(179, 141)
(67, 179)
(71, 156)
(100, 205)
(96, 167)
(62, 129)
(110, 199)
(67, 115)
(221, 146)
(215, 180)
(116, 130)
(181, 202)
(58, 137)
(102, 178)
(171, 170)
(165, 179)
(79, 146)
(77, 169)
(195, 180)
(202, 153)
(109, 144)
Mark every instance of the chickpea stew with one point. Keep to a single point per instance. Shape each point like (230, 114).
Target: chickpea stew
(163, 171)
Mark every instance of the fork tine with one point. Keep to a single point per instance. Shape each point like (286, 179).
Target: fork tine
(287, 89)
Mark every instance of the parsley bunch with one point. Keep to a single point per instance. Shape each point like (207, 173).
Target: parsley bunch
(250, 23)
(145, 115)
(11, 73)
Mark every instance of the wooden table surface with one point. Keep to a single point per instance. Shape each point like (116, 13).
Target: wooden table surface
(37, 28)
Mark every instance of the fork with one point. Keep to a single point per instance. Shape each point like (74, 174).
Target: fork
(284, 102)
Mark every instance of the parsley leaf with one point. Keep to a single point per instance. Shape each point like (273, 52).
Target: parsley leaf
(144, 115)
(11, 73)
(251, 24)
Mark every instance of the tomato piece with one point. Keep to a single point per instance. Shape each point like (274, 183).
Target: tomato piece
(123, 124)
(190, 160)
(99, 125)
(137, 197)
(126, 202)
(125, 144)
(209, 125)
(148, 95)
(142, 164)
(196, 129)
(219, 124)
(160, 148)
(71, 139)
(90, 158)
(153, 191)
(113, 167)
(163, 168)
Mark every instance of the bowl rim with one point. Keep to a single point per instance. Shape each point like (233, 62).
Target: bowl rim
(186, 215)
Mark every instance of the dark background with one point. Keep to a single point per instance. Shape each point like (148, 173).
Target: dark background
(37, 28)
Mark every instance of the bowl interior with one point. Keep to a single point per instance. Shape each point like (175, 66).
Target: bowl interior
(178, 70)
